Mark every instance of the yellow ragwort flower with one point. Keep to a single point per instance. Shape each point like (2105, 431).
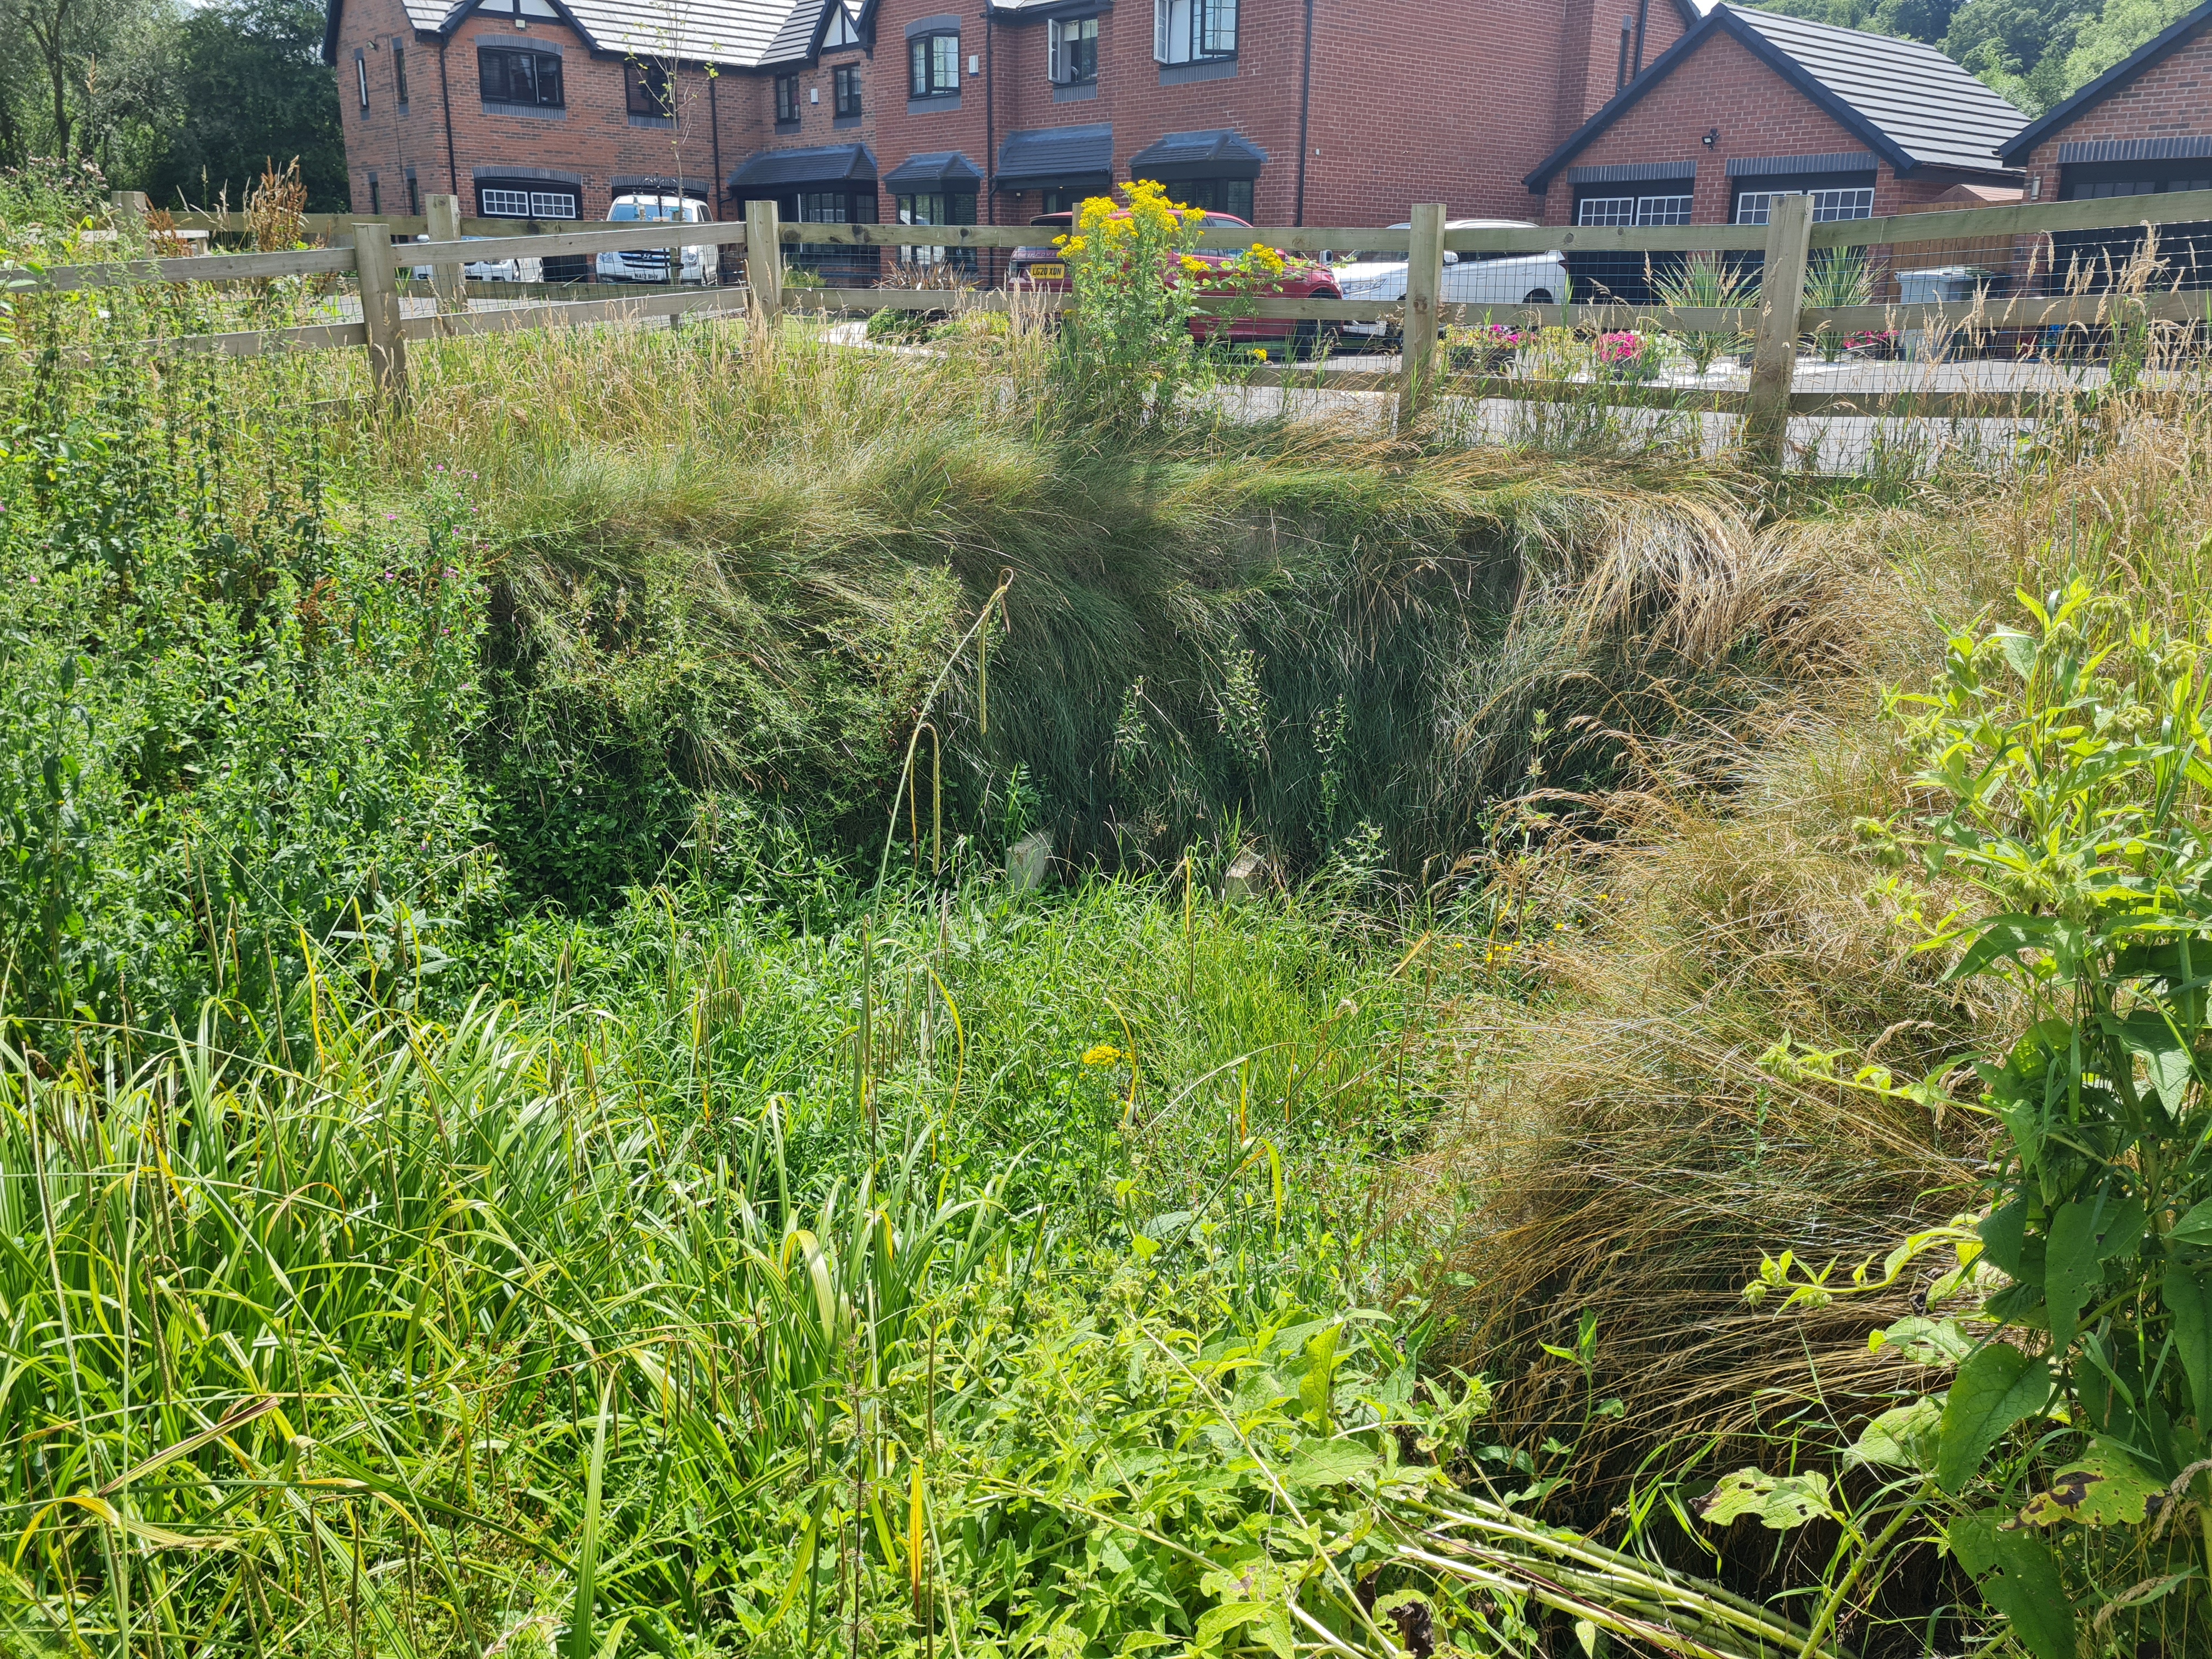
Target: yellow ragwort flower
(1101, 1053)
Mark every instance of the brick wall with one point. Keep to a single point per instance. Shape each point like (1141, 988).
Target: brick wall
(1407, 103)
(589, 142)
(2172, 99)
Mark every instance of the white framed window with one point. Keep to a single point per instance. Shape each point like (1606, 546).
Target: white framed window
(1756, 207)
(1072, 49)
(1192, 31)
(840, 32)
(1632, 210)
(508, 203)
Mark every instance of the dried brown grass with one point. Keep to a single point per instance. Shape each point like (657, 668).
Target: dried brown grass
(1615, 1147)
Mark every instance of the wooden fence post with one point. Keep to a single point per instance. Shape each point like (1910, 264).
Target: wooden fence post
(379, 313)
(130, 209)
(1774, 348)
(1425, 283)
(764, 266)
(447, 276)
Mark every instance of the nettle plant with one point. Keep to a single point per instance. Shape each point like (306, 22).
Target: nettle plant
(2068, 1460)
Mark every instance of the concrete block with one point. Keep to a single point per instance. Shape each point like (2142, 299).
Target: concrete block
(1028, 861)
(1248, 876)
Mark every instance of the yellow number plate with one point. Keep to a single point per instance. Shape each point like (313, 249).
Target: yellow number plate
(1051, 273)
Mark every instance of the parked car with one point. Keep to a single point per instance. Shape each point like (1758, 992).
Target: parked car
(490, 271)
(1042, 269)
(650, 264)
(1470, 279)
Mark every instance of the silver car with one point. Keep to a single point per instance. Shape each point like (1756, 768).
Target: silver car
(1470, 279)
(490, 271)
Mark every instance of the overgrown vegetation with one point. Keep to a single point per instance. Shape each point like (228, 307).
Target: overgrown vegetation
(538, 1121)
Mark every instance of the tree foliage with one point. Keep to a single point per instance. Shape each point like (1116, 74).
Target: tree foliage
(184, 103)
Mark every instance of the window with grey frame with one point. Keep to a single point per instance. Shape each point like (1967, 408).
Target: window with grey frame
(845, 88)
(1071, 51)
(647, 88)
(933, 63)
(1193, 31)
(399, 75)
(532, 79)
(939, 208)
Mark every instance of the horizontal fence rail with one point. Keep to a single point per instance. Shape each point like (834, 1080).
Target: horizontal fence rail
(375, 252)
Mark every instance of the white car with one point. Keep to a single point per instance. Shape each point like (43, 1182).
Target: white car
(650, 264)
(490, 271)
(1470, 279)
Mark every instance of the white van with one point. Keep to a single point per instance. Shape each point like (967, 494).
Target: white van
(489, 270)
(1470, 279)
(650, 264)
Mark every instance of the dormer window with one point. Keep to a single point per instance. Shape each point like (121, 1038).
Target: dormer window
(1073, 48)
(841, 32)
(1193, 31)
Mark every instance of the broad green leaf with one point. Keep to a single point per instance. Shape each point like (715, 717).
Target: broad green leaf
(2018, 649)
(2147, 1036)
(2103, 1489)
(2188, 1297)
(2071, 1270)
(1320, 1375)
(2020, 1577)
(1780, 1502)
(2004, 936)
(1995, 1390)
(1329, 1463)
(2003, 1233)
(1903, 1437)
(1924, 1342)
(2194, 1228)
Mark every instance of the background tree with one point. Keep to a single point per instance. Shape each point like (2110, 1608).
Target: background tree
(251, 89)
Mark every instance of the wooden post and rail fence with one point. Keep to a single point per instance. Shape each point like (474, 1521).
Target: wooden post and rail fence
(371, 255)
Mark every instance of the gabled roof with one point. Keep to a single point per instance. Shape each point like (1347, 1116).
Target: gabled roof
(1913, 107)
(737, 33)
(2152, 51)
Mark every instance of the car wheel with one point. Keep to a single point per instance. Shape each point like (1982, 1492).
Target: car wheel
(1537, 297)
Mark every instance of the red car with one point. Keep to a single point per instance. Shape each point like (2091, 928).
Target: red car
(1042, 269)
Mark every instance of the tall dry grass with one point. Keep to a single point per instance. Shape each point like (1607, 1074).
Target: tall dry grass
(1616, 1148)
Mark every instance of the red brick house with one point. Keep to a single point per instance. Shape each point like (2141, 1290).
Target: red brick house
(2142, 128)
(1280, 111)
(1749, 104)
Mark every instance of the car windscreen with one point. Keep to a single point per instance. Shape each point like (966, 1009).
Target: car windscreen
(626, 212)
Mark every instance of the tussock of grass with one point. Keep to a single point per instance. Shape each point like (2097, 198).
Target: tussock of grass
(1620, 1148)
(691, 531)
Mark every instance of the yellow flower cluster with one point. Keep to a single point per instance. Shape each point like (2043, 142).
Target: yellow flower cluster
(1101, 1053)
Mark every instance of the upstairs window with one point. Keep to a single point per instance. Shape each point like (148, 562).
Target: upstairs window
(529, 78)
(1192, 31)
(933, 63)
(361, 77)
(399, 75)
(646, 88)
(786, 100)
(845, 82)
(1073, 50)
